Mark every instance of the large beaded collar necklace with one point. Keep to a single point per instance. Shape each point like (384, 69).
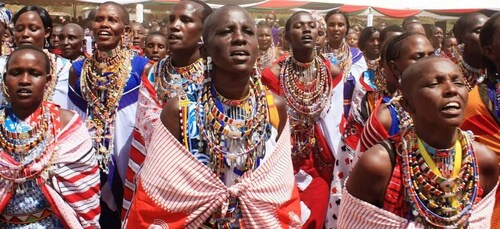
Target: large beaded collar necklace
(234, 131)
(344, 58)
(36, 149)
(266, 58)
(102, 84)
(441, 185)
(171, 81)
(307, 88)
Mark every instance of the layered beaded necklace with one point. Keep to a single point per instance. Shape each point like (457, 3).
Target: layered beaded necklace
(171, 81)
(33, 148)
(102, 84)
(307, 88)
(51, 85)
(472, 75)
(344, 58)
(266, 58)
(441, 185)
(235, 131)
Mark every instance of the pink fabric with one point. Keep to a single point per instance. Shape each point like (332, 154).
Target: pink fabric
(355, 213)
(74, 196)
(178, 183)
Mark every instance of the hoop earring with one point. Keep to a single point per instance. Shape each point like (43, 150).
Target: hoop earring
(201, 42)
(46, 43)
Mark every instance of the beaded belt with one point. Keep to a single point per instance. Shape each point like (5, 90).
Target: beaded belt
(26, 219)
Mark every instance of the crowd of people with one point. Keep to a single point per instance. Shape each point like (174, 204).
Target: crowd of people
(215, 121)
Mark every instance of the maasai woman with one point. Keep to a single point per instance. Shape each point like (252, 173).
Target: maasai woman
(468, 51)
(306, 80)
(449, 44)
(104, 91)
(482, 114)
(432, 175)
(155, 48)
(32, 25)
(48, 170)
(350, 60)
(321, 47)
(72, 42)
(388, 118)
(5, 18)
(179, 73)
(435, 36)
(267, 51)
(226, 163)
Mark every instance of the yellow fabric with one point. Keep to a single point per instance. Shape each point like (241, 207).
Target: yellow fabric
(274, 116)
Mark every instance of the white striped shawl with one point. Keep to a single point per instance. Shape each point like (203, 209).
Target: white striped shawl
(74, 192)
(175, 180)
(355, 213)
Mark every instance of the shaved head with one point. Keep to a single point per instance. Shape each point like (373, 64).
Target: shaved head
(418, 69)
(75, 27)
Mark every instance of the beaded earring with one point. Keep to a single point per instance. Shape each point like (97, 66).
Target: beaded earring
(4, 91)
(209, 63)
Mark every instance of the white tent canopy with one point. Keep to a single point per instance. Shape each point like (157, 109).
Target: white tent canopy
(419, 4)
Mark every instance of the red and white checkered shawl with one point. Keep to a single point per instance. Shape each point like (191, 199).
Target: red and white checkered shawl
(73, 192)
(180, 185)
(355, 213)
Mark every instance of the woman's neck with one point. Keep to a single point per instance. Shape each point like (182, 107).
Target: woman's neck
(335, 44)
(473, 58)
(303, 55)
(105, 54)
(23, 113)
(437, 136)
(180, 59)
(231, 86)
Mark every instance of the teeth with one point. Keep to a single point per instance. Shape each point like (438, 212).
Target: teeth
(452, 105)
(104, 33)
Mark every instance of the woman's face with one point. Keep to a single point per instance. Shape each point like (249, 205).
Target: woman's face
(372, 46)
(185, 26)
(321, 40)
(156, 47)
(232, 41)
(26, 78)
(29, 29)
(448, 44)
(470, 36)
(438, 95)
(437, 35)
(264, 38)
(336, 27)
(138, 34)
(352, 40)
(303, 32)
(413, 49)
(71, 42)
(108, 27)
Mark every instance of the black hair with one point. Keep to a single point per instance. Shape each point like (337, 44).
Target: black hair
(124, 12)
(392, 49)
(432, 28)
(388, 29)
(365, 36)
(288, 23)
(42, 12)
(33, 48)
(486, 38)
(461, 24)
(337, 11)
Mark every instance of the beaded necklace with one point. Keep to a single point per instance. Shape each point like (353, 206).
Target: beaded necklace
(344, 58)
(403, 117)
(171, 81)
(102, 84)
(472, 75)
(266, 58)
(439, 198)
(35, 148)
(236, 139)
(372, 64)
(307, 88)
(50, 87)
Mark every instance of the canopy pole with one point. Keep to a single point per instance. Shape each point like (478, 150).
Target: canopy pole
(74, 9)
